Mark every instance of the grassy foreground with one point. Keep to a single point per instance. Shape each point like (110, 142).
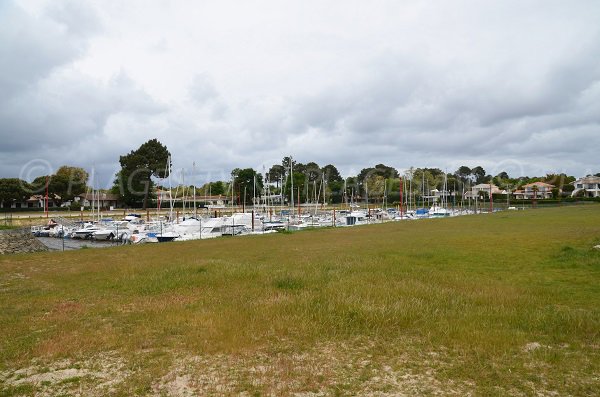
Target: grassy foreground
(502, 304)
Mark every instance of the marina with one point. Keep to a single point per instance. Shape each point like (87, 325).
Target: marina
(67, 234)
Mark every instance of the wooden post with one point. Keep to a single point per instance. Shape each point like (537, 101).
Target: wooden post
(46, 199)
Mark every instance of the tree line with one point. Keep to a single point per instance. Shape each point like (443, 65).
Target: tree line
(138, 179)
(62, 186)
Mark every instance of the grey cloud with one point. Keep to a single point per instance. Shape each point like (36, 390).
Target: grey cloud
(76, 16)
(64, 109)
(202, 89)
(47, 110)
(463, 88)
(30, 49)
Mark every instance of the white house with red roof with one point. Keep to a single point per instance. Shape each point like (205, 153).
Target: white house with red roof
(535, 190)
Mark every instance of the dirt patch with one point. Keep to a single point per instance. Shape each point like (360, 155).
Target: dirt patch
(96, 376)
(323, 370)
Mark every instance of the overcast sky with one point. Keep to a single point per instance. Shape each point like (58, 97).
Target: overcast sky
(510, 85)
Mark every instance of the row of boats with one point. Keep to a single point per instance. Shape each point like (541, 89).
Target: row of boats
(132, 229)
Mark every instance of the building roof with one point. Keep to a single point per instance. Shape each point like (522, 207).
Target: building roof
(544, 184)
(201, 197)
(485, 186)
(588, 179)
(37, 197)
(103, 196)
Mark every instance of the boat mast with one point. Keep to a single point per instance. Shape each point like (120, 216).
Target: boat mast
(345, 193)
(183, 191)
(170, 192)
(194, 192)
(401, 198)
(232, 183)
(323, 185)
(93, 195)
(317, 197)
(385, 194)
(367, 194)
(292, 181)
(281, 194)
(423, 189)
(410, 197)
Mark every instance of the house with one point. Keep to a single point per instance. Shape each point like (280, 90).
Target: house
(35, 201)
(436, 194)
(589, 184)
(535, 190)
(478, 190)
(106, 200)
(271, 199)
(202, 201)
(213, 201)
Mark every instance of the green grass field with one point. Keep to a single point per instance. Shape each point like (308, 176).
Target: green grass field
(505, 304)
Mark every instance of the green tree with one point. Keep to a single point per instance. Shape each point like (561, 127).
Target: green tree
(335, 190)
(73, 181)
(380, 170)
(299, 181)
(285, 163)
(276, 174)
(313, 172)
(134, 180)
(299, 167)
(426, 179)
(13, 189)
(376, 185)
(502, 180)
(478, 175)
(331, 174)
(567, 189)
(63, 185)
(559, 180)
(217, 188)
(57, 186)
(244, 183)
(463, 173)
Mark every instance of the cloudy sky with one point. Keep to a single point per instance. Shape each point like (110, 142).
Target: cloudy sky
(510, 85)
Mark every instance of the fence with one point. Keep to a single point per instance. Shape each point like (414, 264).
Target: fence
(6, 220)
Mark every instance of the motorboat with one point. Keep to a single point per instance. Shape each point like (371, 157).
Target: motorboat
(86, 232)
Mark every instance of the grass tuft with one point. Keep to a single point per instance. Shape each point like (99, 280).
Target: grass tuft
(289, 283)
